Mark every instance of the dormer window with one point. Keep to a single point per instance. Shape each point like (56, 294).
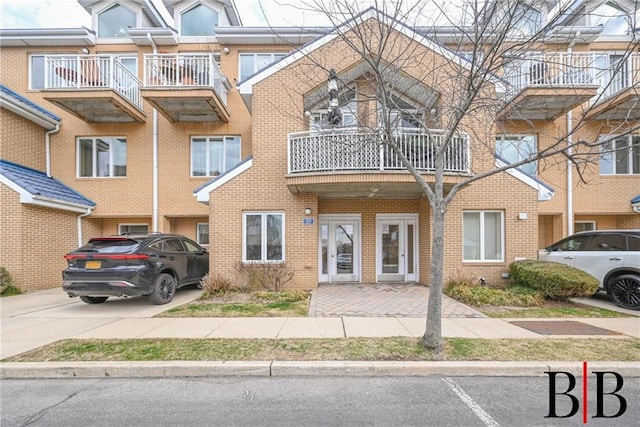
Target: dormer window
(115, 21)
(199, 21)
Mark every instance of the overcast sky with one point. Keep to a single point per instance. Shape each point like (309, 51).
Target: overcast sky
(69, 14)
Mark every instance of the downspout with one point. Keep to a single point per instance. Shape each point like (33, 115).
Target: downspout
(88, 212)
(154, 218)
(569, 154)
(47, 148)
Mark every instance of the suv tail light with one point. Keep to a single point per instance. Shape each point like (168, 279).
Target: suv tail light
(104, 256)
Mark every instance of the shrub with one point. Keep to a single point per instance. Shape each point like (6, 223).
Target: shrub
(215, 284)
(271, 276)
(554, 280)
(476, 295)
(7, 288)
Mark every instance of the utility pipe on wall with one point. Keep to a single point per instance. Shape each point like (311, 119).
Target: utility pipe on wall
(47, 148)
(154, 218)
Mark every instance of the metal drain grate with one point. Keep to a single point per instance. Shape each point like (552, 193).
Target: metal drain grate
(561, 327)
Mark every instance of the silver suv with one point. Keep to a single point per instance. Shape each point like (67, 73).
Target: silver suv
(611, 256)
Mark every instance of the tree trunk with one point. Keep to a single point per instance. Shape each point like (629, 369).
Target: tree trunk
(432, 338)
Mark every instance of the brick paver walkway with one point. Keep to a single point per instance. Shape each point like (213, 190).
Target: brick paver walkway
(380, 300)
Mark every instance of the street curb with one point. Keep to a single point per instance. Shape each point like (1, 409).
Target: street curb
(177, 369)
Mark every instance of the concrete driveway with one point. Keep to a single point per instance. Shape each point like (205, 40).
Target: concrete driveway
(38, 318)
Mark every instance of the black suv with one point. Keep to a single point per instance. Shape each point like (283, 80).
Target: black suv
(611, 256)
(153, 264)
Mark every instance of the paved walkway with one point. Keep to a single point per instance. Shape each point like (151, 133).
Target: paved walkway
(380, 300)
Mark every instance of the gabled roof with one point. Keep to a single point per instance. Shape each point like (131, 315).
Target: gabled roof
(148, 8)
(36, 188)
(229, 8)
(245, 87)
(28, 109)
(545, 191)
(202, 192)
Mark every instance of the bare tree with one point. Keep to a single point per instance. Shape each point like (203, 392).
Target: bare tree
(464, 84)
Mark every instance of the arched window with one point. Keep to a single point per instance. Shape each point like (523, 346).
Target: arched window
(114, 22)
(198, 21)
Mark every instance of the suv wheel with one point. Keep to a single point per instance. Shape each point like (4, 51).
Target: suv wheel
(164, 288)
(625, 291)
(94, 300)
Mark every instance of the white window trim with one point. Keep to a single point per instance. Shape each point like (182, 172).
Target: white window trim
(94, 160)
(593, 224)
(189, 7)
(263, 248)
(207, 138)
(198, 225)
(115, 40)
(502, 237)
(255, 61)
(613, 139)
(129, 224)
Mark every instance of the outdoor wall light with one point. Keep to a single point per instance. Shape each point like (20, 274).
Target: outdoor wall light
(307, 211)
(86, 51)
(226, 50)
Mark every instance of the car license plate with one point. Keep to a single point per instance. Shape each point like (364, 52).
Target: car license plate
(93, 265)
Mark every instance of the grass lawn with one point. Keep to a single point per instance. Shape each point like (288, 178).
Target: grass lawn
(246, 304)
(395, 348)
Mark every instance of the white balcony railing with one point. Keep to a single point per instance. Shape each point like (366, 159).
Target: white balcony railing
(357, 150)
(91, 72)
(172, 70)
(611, 73)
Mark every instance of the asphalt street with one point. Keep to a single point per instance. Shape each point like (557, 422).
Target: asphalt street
(306, 401)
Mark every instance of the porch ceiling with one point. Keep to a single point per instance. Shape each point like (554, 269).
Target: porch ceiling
(96, 106)
(400, 81)
(536, 103)
(187, 104)
(623, 106)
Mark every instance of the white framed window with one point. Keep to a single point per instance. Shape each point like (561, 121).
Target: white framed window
(213, 155)
(621, 156)
(515, 148)
(199, 21)
(483, 236)
(133, 228)
(348, 109)
(102, 157)
(253, 62)
(36, 72)
(115, 21)
(262, 237)
(202, 233)
(584, 226)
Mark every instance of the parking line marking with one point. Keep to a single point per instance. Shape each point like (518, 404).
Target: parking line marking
(480, 413)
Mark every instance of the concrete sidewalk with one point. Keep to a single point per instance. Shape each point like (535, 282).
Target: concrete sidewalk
(39, 318)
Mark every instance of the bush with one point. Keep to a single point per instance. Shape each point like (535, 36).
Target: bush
(7, 288)
(468, 291)
(554, 280)
(215, 284)
(271, 276)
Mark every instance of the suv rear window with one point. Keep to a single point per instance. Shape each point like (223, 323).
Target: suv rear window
(110, 246)
(606, 242)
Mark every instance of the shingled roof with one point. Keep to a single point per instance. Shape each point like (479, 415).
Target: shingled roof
(35, 187)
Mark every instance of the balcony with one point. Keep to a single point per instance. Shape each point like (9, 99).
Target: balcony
(96, 88)
(186, 88)
(546, 86)
(619, 89)
(351, 163)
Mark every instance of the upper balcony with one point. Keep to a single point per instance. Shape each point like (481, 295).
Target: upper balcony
(619, 89)
(186, 88)
(546, 86)
(352, 163)
(96, 88)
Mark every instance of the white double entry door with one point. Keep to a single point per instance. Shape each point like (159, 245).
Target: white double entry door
(340, 243)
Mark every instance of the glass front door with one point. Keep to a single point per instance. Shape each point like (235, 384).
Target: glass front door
(339, 250)
(396, 248)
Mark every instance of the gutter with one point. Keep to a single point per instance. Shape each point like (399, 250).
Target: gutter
(154, 216)
(47, 148)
